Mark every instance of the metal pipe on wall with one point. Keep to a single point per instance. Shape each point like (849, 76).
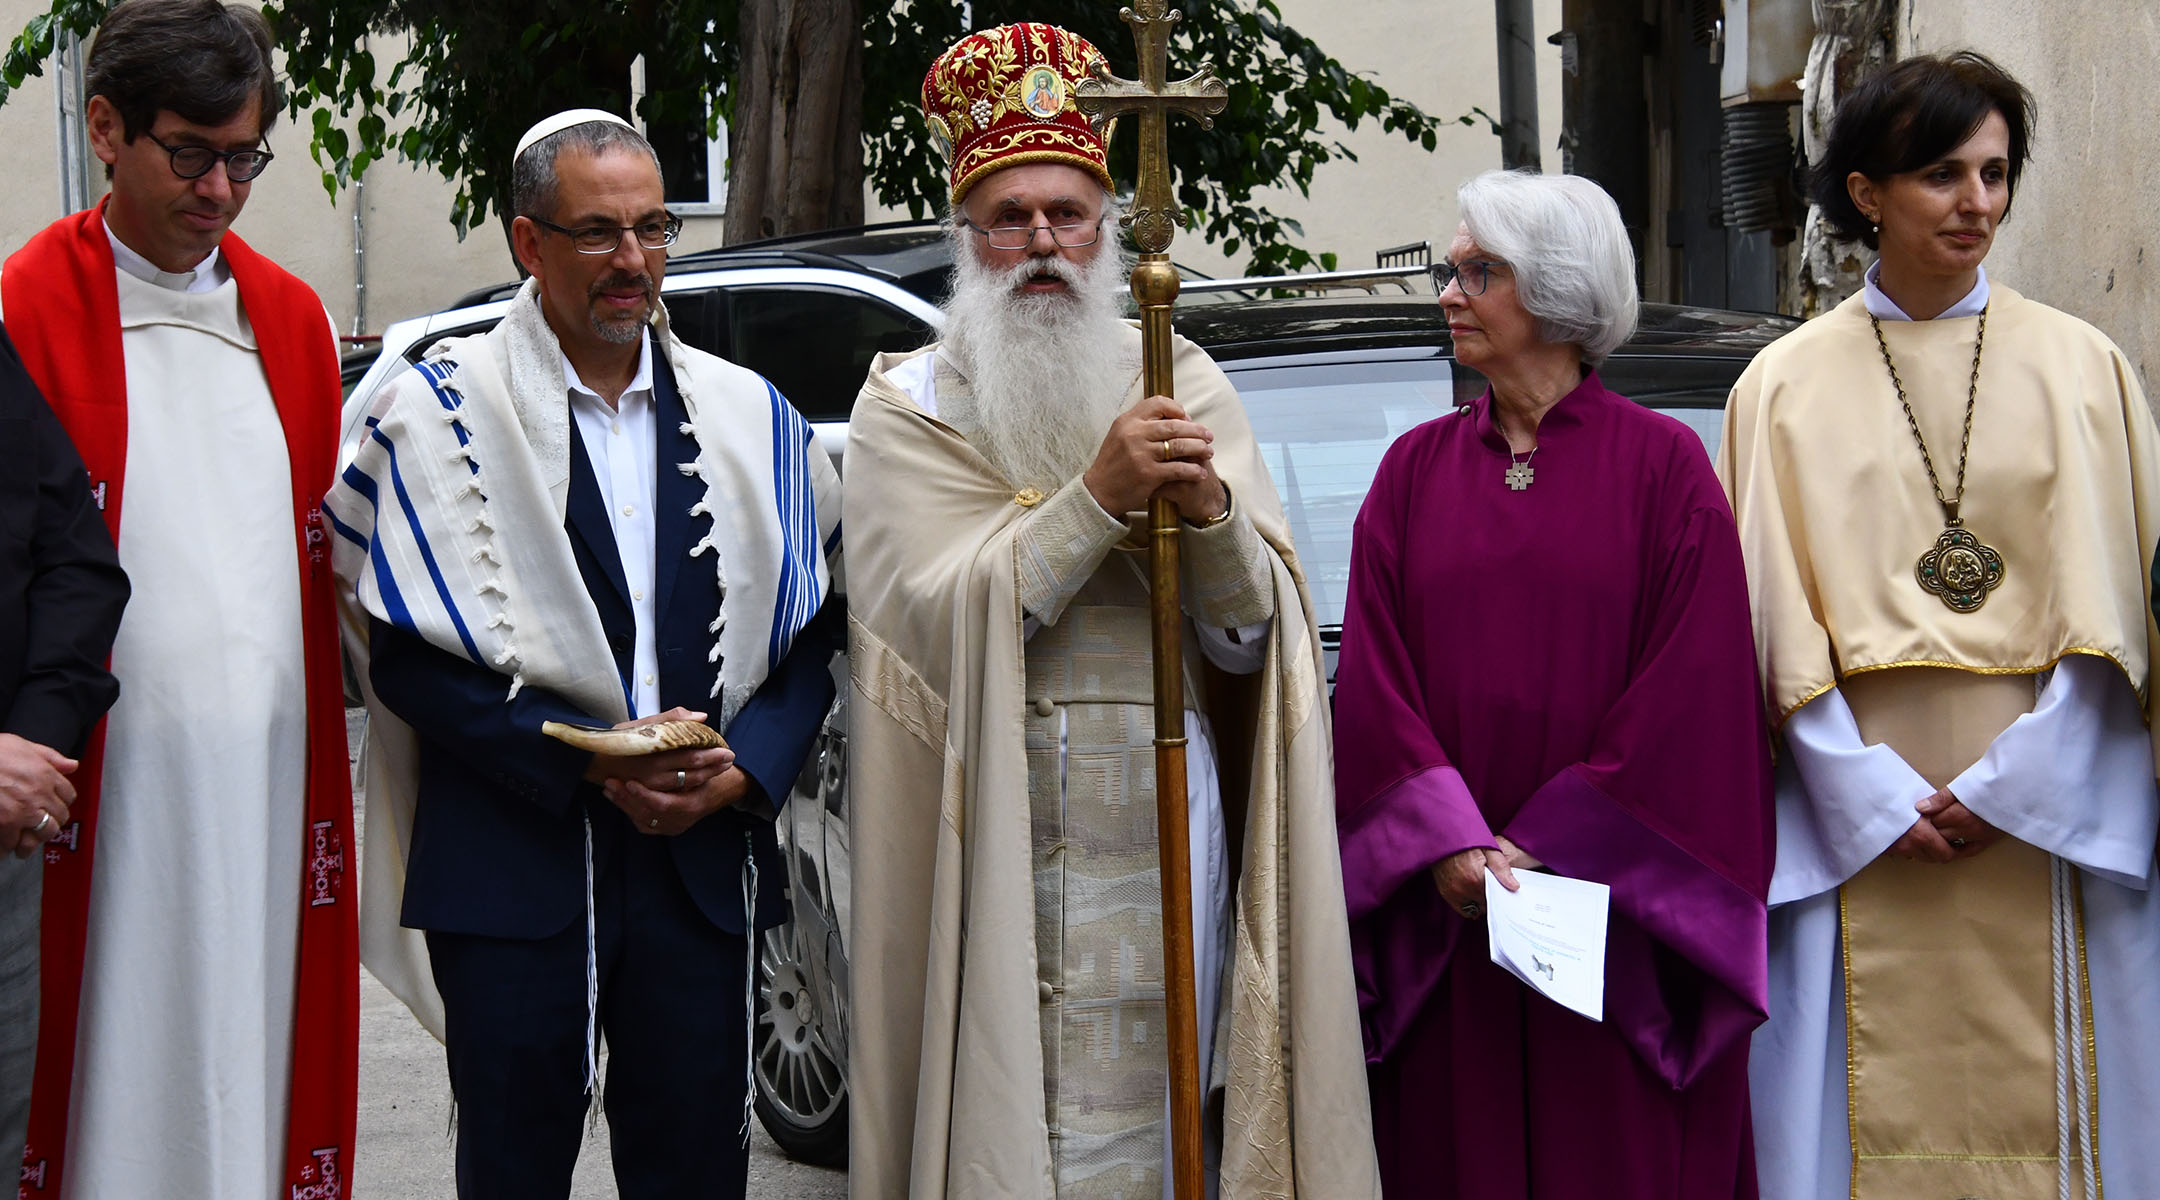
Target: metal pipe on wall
(359, 257)
(71, 127)
(359, 253)
(1518, 84)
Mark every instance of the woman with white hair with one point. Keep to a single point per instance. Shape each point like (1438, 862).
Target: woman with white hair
(1547, 666)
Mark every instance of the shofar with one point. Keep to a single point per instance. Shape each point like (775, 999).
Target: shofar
(637, 739)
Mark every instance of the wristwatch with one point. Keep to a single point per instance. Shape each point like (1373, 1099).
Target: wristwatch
(1218, 518)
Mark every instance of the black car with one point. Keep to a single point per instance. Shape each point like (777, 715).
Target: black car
(1329, 383)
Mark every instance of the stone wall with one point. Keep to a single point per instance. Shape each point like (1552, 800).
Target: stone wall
(2084, 231)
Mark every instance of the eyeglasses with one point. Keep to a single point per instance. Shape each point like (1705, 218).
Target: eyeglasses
(194, 162)
(602, 239)
(1471, 275)
(1015, 236)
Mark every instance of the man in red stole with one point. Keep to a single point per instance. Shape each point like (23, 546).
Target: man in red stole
(200, 994)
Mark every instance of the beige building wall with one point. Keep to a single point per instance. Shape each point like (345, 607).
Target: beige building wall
(1439, 55)
(2084, 233)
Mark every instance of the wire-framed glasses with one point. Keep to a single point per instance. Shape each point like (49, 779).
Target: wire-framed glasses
(602, 239)
(1471, 274)
(1015, 235)
(194, 162)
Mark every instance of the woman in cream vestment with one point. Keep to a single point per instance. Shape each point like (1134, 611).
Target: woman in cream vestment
(1945, 493)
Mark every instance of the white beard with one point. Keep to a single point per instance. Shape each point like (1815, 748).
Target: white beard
(1049, 372)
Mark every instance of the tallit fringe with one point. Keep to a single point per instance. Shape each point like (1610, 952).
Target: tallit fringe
(475, 486)
(592, 991)
(750, 982)
(706, 506)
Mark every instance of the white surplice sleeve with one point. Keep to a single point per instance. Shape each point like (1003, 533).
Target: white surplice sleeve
(1840, 801)
(2075, 775)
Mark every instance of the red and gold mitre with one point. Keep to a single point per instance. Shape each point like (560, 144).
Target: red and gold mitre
(1004, 96)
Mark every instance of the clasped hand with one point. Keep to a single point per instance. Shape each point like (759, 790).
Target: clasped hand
(34, 794)
(1461, 876)
(1946, 831)
(1154, 449)
(665, 794)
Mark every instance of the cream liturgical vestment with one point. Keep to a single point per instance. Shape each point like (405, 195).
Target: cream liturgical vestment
(1007, 1036)
(178, 1090)
(1990, 1027)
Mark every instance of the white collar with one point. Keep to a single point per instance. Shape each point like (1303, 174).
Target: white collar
(205, 275)
(640, 382)
(1883, 308)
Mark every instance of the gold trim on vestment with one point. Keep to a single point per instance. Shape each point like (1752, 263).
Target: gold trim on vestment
(1890, 1156)
(1955, 1116)
(2020, 1158)
(992, 162)
(2049, 665)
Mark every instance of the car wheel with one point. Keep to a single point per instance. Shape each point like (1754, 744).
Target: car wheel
(801, 1084)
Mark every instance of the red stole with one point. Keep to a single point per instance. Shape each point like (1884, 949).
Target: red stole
(63, 311)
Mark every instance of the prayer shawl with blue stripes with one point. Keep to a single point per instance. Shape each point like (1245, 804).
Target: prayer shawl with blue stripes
(449, 525)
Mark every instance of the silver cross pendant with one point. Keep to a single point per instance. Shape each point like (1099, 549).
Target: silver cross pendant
(1520, 475)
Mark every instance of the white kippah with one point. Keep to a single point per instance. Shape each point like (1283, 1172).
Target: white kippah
(565, 120)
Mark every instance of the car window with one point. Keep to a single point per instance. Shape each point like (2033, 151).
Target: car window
(353, 367)
(815, 343)
(693, 316)
(1690, 390)
(420, 347)
(1322, 430)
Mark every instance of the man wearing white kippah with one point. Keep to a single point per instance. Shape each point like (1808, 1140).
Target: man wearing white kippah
(576, 518)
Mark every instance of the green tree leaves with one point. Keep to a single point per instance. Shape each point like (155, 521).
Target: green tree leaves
(468, 76)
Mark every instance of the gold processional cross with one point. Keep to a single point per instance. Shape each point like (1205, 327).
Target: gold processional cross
(1152, 222)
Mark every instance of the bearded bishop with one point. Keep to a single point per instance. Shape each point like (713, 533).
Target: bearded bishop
(1008, 985)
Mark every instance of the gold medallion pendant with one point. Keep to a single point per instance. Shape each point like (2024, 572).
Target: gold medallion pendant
(1961, 570)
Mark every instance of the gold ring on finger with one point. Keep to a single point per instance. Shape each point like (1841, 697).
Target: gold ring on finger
(1166, 452)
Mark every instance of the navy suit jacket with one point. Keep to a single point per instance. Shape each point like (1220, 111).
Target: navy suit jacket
(498, 843)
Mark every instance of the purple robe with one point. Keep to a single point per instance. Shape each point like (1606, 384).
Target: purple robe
(1572, 666)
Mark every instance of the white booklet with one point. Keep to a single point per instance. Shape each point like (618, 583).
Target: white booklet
(1551, 935)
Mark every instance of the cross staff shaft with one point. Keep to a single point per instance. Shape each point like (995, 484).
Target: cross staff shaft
(1152, 223)
(1151, 99)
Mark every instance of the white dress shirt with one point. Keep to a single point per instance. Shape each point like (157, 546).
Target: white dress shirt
(621, 444)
